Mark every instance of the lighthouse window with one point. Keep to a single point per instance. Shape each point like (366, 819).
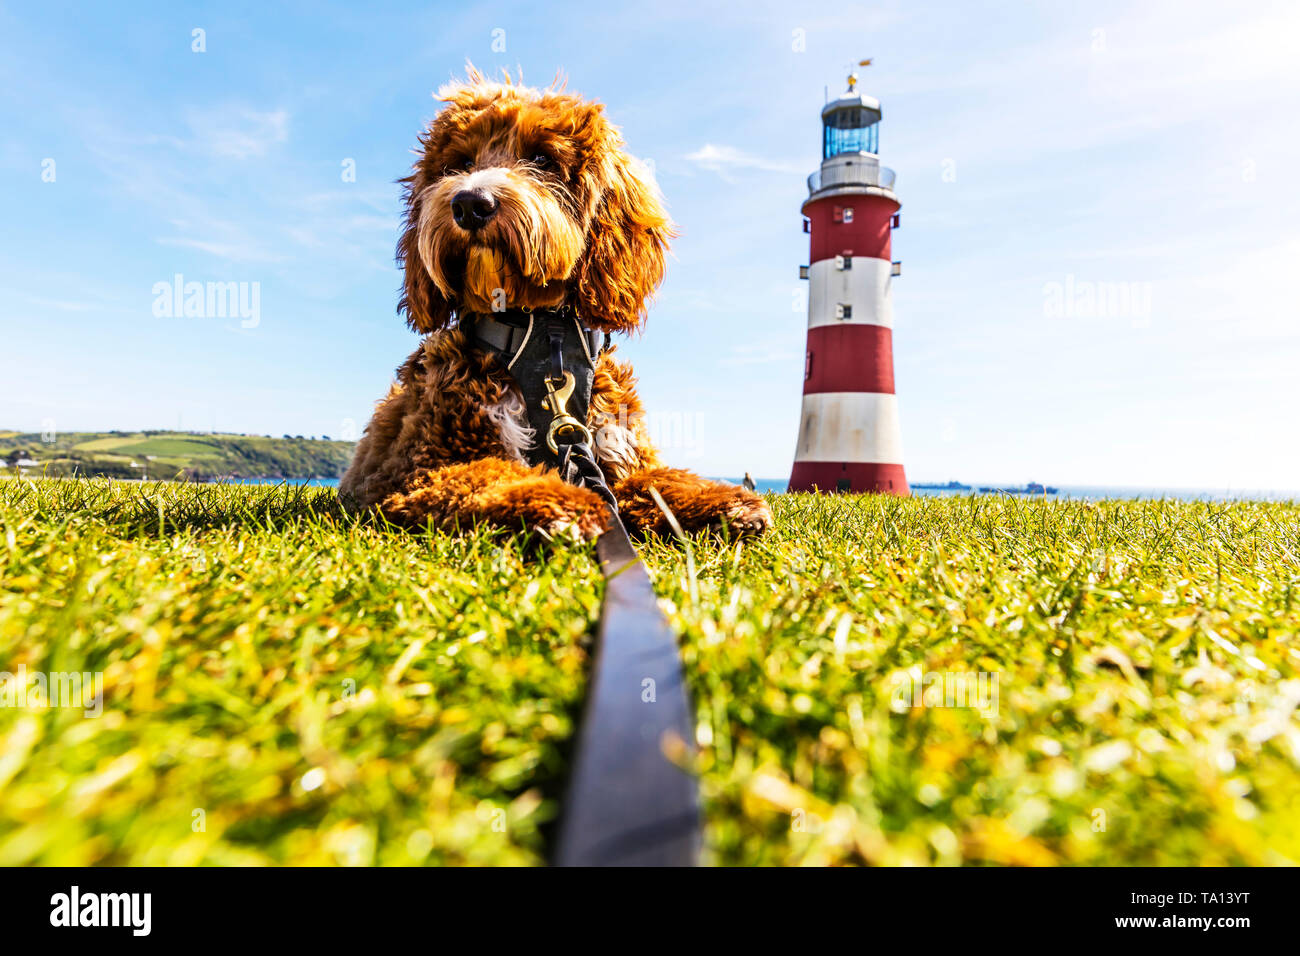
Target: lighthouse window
(850, 131)
(847, 215)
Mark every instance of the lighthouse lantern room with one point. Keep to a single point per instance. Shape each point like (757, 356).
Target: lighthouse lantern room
(848, 433)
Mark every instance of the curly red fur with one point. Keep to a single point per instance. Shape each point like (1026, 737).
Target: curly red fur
(694, 501)
(576, 221)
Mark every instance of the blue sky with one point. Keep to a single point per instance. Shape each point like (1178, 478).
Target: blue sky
(1144, 148)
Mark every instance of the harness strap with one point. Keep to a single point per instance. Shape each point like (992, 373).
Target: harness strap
(506, 333)
(552, 360)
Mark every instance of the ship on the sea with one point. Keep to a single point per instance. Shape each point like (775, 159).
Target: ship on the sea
(1032, 488)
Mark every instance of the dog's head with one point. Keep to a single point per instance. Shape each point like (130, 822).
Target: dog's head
(525, 197)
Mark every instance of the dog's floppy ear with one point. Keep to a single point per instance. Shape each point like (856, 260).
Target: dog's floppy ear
(626, 241)
(427, 310)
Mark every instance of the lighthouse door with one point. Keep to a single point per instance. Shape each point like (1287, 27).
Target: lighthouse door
(844, 484)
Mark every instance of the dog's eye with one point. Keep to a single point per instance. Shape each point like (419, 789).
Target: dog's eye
(458, 166)
(542, 161)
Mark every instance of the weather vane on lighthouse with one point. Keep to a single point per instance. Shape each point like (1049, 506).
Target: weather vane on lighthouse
(848, 431)
(853, 74)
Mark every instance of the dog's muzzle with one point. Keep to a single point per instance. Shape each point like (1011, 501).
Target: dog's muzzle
(472, 209)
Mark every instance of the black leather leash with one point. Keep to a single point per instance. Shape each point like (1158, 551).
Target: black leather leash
(628, 803)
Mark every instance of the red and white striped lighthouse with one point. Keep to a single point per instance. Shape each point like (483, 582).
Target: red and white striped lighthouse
(848, 433)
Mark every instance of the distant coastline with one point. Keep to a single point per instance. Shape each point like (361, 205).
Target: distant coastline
(319, 461)
(160, 454)
(1075, 492)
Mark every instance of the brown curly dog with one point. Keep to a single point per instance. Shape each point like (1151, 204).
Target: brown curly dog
(524, 197)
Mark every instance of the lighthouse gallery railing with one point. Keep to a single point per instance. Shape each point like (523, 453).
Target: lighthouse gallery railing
(851, 174)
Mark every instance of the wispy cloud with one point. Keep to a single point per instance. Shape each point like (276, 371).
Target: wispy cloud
(759, 353)
(62, 305)
(236, 132)
(726, 159)
(235, 251)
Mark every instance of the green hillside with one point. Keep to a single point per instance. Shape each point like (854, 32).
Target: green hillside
(165, 454)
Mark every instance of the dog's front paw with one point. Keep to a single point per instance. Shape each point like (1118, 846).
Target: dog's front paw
(694, 503)
(748, 515)
(582, 527)
(563, 512)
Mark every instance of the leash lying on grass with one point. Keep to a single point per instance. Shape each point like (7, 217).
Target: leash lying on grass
(628, 803)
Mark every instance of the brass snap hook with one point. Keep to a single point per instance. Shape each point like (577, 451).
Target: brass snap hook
(563, 425)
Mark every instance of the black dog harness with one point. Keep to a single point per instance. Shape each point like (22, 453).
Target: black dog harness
(626, 803)
(552, 359)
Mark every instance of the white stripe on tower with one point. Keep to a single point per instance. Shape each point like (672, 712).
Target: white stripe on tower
(866, 285)
(850, 427)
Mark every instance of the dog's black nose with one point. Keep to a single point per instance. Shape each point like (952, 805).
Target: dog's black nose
(473, 208)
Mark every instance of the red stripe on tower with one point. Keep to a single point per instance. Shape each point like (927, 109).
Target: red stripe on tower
(848, 432)
(866, 233)
(849, 358)
(860, 476)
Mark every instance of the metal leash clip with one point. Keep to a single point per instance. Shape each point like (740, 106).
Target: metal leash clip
(563, 425)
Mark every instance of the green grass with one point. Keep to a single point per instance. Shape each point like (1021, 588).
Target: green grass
(173, 447)
(287, 684)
